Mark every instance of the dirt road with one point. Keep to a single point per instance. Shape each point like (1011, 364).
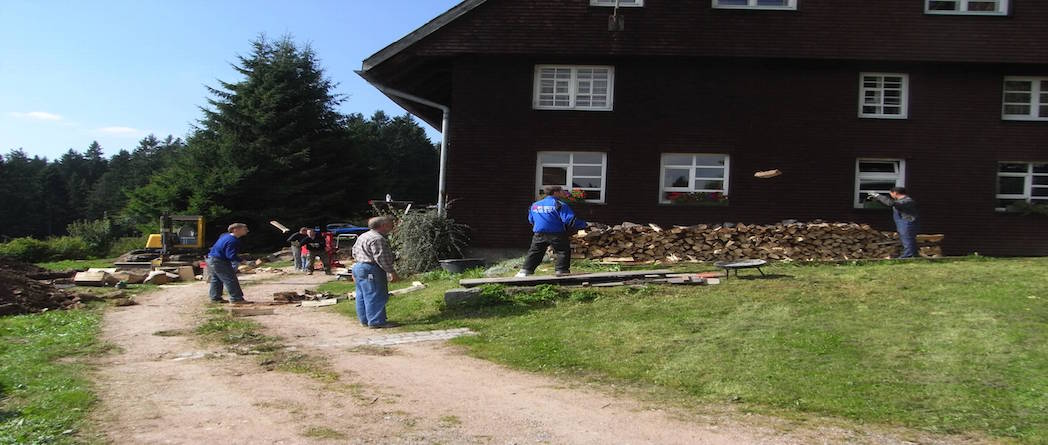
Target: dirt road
(171, 388)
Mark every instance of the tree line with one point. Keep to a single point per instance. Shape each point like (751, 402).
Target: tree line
(268, 146)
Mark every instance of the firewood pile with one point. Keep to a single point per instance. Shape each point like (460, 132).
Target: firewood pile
(785, 241)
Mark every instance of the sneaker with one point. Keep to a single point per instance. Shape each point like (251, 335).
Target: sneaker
(563, 274)
(220, 301)
(522, 274)
(309, 273)
(385, 325)
(240, 302)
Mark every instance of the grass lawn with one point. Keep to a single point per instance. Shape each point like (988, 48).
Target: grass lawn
(949, 347)
(78, 264)
(42, 399)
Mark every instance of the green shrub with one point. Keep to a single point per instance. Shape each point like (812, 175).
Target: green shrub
(30, 250)
(424, 237)
(126, 244)
(98, 234)
(69, 248)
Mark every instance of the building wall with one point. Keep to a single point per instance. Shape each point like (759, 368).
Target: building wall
(824, 29)
(799, 116)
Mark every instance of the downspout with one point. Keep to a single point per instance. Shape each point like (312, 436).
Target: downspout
(441, 187)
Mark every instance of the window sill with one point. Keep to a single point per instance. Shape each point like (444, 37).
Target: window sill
(980, 14)
(758, 8)
(884, 116)
(695, 204)
(571, 109)
(1024, 119)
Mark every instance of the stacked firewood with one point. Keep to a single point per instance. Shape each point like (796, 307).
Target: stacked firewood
(788, 240)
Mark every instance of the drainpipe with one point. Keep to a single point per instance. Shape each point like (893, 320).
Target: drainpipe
(441, 187)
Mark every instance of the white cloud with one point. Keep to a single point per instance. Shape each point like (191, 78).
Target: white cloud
(36, 115)
(119, 131)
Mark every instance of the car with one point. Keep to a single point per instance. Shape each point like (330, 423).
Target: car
(346, 229)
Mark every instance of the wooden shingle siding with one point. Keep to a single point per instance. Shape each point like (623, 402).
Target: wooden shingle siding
(797, 116)
(820, 29)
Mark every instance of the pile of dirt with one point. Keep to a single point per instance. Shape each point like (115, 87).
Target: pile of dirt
(22, 292)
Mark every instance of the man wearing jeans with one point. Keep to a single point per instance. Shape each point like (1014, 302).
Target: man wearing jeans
(904, 212)
(220, 265)
(374, 259)
(551, 219)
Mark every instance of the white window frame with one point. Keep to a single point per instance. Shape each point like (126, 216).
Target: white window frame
(621, 3)
(904, 105)
(573, 87)
(1028, 186)
(570, 166)
(899, 177)
(791, 5)
(962, 8)
(663, 189)
(1035, 99)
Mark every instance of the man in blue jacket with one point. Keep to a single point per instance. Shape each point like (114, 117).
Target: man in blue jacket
(221, 262)
(553, 221)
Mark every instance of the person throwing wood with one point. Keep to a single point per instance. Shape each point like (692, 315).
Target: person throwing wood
(904, 212)
(551, 219)
(316, 244)
(374, 259)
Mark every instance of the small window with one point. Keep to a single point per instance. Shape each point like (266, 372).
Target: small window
(974, 7)
(877, 176)
(755, 4)
(883, 96)
(1025, 99)
(574, 87)
(1021, 182)
(616, 2)
(694, 179)
(583, 171)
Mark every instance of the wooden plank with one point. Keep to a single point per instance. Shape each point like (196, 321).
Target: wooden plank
(599, 277)
(319, 303)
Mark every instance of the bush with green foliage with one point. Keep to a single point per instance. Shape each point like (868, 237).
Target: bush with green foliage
(69, 248)
(126, 244)
(30, 250)
(98, 234)
(423, 238)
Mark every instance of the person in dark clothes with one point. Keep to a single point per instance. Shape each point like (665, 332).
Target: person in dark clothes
(317, 246)
(296, 246)
(551, 220)
(904, 212)
(221, 262)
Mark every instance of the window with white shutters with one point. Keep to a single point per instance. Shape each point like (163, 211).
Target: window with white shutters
(576, 171)
(973, 7)
(574, 87)
(616, 2)
(877, 176)
(1021, 182)
(1025, 99)
(755, 4)
(883, 95)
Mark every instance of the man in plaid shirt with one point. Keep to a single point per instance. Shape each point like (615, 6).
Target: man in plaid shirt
(374, 259)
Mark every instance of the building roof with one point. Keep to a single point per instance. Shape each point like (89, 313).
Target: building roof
(421, 33)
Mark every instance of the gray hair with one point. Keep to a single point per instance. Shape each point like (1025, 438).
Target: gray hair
(379, 221)
(235, 226)
(551, 189)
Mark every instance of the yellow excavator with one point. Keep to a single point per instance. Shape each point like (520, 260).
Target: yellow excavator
(181, 239)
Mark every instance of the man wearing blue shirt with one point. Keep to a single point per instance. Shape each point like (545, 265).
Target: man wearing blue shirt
(552, 219)
(220, 265)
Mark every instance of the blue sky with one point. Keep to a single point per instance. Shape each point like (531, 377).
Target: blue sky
(116, 70)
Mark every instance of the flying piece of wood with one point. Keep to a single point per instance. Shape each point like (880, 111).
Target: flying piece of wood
(768, 174)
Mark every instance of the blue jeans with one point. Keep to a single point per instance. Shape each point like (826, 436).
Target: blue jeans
(372, 293)
(222, 273)
(296, 253)
(908, 237)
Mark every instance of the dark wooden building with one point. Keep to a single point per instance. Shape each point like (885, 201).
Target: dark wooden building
(664, 112)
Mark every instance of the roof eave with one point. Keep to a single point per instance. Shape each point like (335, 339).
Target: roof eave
(425, 30)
